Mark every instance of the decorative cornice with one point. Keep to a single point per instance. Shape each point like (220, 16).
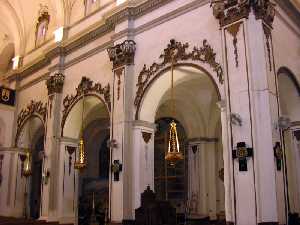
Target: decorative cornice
(33, 109)
(204, 54)
(85, 88)
(230, 11)
(202, 140)
(130, 12)
(55, 83)
(122, 54)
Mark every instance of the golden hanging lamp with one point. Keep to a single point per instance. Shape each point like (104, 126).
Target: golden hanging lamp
(81, 164)
(27, 164)
(173, 155)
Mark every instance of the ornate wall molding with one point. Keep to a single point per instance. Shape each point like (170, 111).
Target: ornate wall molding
(122, 54)
(55, 83)
(230, 11)
(118, 73)
(268, 36)
(233, 30)
(85, 88)
(34, 108)
(131, 12)
(204, 54)
(146, 136)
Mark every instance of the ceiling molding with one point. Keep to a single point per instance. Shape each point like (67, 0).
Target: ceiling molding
(129, 12)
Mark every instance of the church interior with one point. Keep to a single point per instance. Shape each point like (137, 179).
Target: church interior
(150, 112)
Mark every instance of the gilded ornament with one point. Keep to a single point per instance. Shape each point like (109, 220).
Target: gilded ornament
(203, 54)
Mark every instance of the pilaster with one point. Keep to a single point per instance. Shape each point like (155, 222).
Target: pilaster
(50, 191)
(122, 57)
(253, 105)
(143, 160)
(67, 183)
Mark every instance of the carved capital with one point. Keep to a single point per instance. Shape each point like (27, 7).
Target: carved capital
(55, 83)
(122, 54)
(230, 11)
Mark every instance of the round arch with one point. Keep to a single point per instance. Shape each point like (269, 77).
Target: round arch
(86, 89)
(150, 97)
(286, 71)
(93, 103)
(34, 109)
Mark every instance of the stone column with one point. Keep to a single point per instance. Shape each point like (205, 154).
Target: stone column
(197, 177)
(122, 56)
(49, 198)
(11, 183)
(143, 160)
(67, 184)
(253, 105)
(228, 162)
(296, 152)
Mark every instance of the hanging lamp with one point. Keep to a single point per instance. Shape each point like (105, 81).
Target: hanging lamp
(27, 162)
(80, 164)
(173, 155)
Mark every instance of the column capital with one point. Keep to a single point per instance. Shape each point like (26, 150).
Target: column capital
(230, 11)
(55, 83)
(122, 54)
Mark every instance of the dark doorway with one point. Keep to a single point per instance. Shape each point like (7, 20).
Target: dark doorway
(94, 183)
(36, 178)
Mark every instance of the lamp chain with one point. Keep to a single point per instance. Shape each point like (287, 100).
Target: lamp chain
(172, 87)
(82, 115)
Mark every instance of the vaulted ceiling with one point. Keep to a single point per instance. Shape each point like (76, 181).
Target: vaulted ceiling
(296, 3)
(18, 20)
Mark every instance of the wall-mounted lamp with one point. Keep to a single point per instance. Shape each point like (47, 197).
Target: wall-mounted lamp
(58, 34)
(16, 62)
(119, 2)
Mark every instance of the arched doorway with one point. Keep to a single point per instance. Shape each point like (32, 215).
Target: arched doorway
(90, 114)
(289, 97)
(195, 188)
(32, 138)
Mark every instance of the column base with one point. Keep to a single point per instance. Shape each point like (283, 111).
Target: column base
(229, 223)
(268, 223)
(128, 222)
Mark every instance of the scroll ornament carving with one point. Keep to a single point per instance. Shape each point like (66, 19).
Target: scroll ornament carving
(86, 86)
(55, 83)
(33, 108)
(180, 52)
(122, 54)
(229, 11)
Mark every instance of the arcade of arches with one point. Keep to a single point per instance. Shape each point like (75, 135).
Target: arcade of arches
(89, 90)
